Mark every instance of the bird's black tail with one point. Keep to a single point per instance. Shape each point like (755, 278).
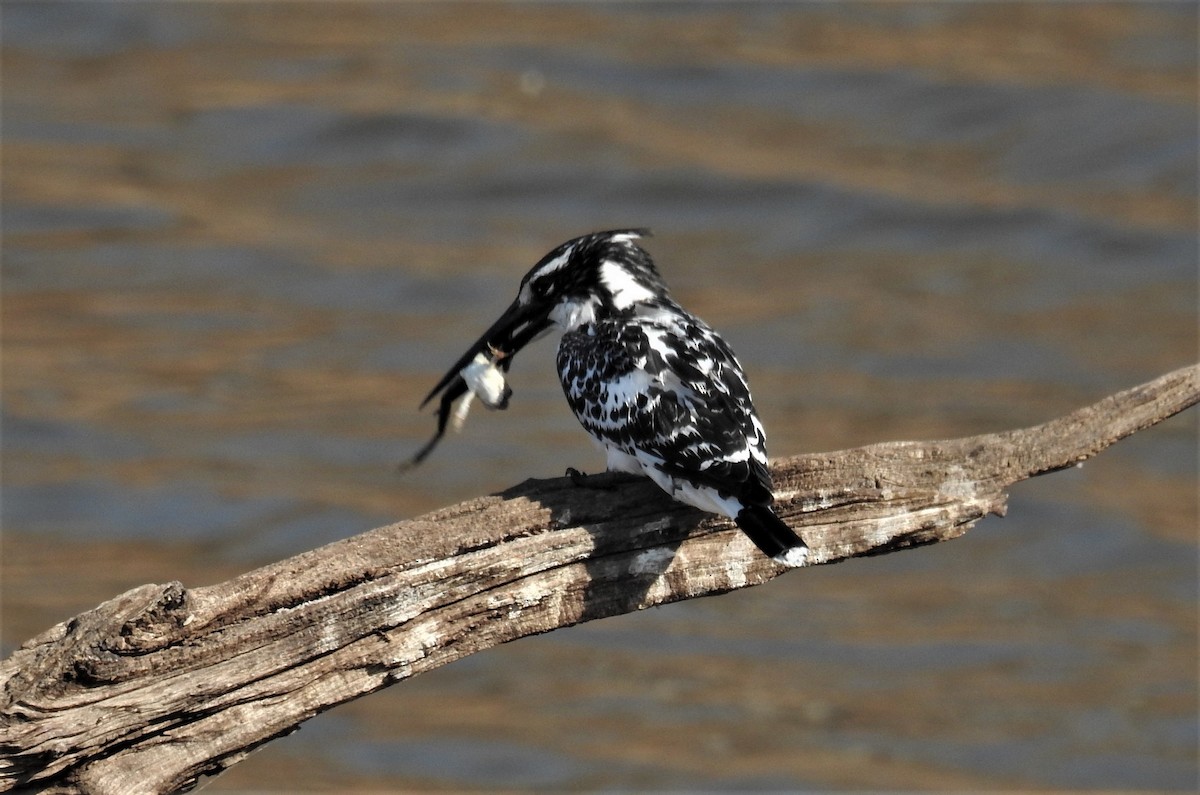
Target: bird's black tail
(769, 533)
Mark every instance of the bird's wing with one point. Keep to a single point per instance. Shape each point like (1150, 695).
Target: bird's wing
(671, 389)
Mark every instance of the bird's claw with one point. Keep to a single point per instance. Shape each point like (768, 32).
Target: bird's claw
(585, 481)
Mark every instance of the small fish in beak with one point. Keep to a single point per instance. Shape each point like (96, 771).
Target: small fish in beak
(479, 372)
(485, 381)
(482, 378)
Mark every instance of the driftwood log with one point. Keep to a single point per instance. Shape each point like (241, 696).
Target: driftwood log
(164, 684)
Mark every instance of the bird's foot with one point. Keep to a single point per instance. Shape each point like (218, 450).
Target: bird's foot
(585, 481)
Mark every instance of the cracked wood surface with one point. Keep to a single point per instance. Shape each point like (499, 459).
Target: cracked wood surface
(163, 683)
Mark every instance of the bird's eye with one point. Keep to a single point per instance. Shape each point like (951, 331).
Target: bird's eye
(540, 288)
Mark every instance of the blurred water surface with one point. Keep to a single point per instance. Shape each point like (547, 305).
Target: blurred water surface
(241, 241)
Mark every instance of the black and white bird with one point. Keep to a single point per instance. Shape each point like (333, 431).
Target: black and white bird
(658, 390)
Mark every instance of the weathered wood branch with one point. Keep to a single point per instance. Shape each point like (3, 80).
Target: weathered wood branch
(162, 684)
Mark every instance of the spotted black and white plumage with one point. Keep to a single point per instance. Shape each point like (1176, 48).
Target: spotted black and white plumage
(658, 390)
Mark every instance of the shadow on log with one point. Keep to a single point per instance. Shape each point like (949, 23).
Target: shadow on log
(164, 684)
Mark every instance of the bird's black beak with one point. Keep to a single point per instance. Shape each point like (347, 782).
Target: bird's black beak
(508, 335)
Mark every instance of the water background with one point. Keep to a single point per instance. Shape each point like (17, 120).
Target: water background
(241, 241)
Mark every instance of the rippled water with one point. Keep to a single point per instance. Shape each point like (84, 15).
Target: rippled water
(241, 241)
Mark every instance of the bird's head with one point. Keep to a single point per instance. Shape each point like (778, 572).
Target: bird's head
(593, 276)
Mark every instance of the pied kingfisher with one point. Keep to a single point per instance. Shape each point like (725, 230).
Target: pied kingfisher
(658, 390)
